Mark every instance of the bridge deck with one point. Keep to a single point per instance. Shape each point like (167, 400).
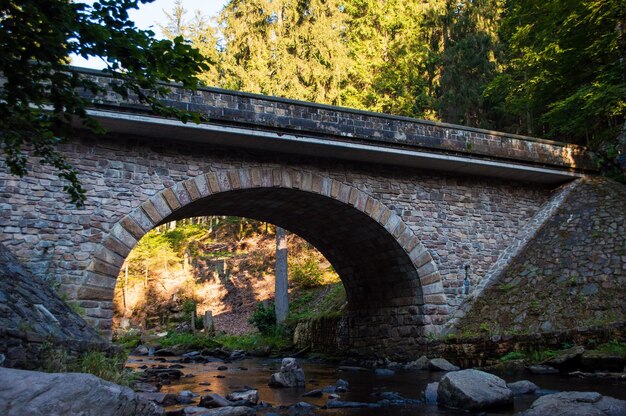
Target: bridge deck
(282, 125)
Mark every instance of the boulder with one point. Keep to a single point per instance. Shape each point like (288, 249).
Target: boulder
(522, 387)
(566, 359)
(576, 403)
(335, 404)
(248, 397)
(313, 393)
(214, 400)
(441, 364)
(473, 390)
(384, 372)
(144, 387)
(35, 393)
(542, 370)
(419, 364)
(162, 399)
(222, 411)
(430, 393)
(290, 375)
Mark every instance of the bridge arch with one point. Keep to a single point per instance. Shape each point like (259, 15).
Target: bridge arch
(387, 272)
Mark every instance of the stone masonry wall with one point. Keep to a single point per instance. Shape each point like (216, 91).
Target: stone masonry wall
(459, 220)
(572, 276)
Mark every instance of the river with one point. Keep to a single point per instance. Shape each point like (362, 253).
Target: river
(365, 386)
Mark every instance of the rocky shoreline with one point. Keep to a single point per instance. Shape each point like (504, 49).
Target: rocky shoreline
(476, 390)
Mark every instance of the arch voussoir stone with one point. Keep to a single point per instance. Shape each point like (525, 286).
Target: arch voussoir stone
(416, 298)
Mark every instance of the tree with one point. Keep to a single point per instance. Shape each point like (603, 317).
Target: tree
(564, 74)
(281, 292)
(467, 60)
(41, 96)
(286, 48)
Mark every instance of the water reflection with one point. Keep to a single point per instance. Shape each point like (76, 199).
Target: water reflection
(364, 386)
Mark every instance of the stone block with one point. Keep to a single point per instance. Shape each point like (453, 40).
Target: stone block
(202, 186)
(170, 197)
(192, 189)
(123, 241)
(94, 293)
(255, 177)
(132, 228)
(151, 212)
(141, 219)
(213, 182)
(181, 194)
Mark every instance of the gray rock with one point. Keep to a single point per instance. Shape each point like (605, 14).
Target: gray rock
(313, 393)
(222, 411)
(249, 397)
(335, 404)
(290, 375)
(351, 368)
(522, 387)
(473, 390)
(2, 358)
(49, 394)
(568, 358)
(186, 397)
(542, 370)
(341, 383)
(384, 372)
(441, 364)
(141, 350)
(430, 393)
(145, 387)
(419, 364)
(575, 403)
(214, 400)
(162, 399)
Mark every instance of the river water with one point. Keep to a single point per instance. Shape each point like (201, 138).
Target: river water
(365, 386)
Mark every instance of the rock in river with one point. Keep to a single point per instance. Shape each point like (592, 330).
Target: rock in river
(34, 393)
(522, 387)
(441, 364)
(290, 375)
(473, 390)
(576, 403)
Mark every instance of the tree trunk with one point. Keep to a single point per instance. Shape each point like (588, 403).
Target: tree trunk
(281, 301)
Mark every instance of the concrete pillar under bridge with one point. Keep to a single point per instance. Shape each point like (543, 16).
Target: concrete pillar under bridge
(389, 276)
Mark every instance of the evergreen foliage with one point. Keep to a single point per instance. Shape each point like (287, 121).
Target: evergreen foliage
(553, 69)
(40, 98)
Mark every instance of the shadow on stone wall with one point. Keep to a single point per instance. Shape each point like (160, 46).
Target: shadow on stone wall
(34, 320)
(571, 276)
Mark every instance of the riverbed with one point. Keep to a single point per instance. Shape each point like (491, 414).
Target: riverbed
(364, 386)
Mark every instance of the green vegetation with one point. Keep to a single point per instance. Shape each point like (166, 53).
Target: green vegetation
(41, 100)
(279, 341)
(305, 273)
(128, 340)
(513, 355)
(325, 301)
(264, 318)
(107, 367)
(614, 347)
(530, 356)
(189, 340)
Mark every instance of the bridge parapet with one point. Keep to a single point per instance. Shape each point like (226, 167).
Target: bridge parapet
(285, 116)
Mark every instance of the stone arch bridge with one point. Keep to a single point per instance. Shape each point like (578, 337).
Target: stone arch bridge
(398, 206)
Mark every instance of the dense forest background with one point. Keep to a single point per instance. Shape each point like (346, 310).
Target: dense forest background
(548, 68)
